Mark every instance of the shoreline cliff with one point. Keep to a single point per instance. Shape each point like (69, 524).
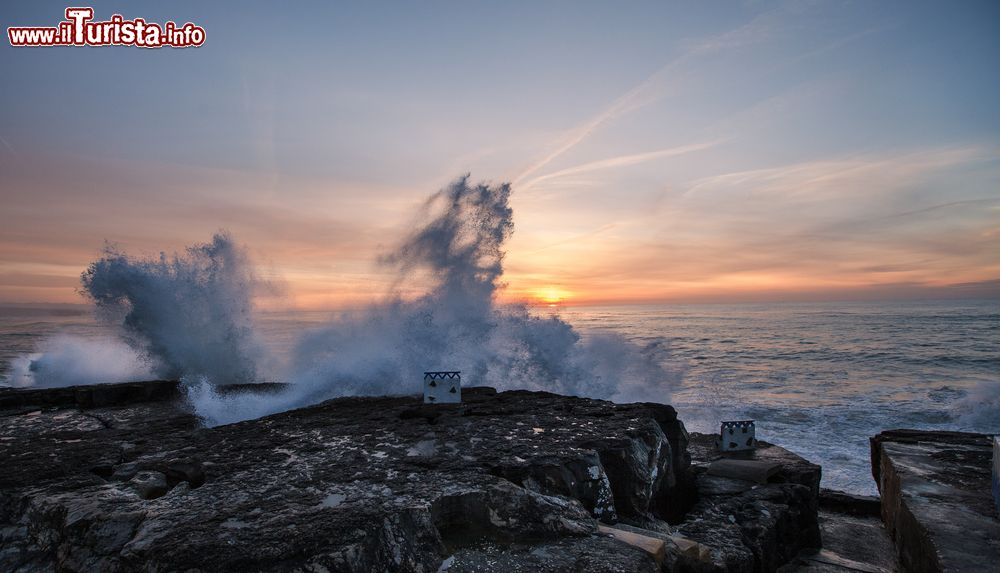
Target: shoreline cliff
(124, 478)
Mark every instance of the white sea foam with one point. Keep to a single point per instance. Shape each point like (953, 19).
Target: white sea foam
(980, 408)
(65, 360)
(189, 316)
(457, 325)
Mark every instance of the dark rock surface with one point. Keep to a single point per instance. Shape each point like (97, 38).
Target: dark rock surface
(516, 481)
(748, 526)
(852, 543)
(835, 501)
(996, 472)
(94, 396)
(936, 501)
(581, 554)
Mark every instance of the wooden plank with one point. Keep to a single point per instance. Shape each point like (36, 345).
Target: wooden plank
(655, 547)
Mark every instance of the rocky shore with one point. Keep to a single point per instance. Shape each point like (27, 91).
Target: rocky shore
(937, 504)
(124, 478)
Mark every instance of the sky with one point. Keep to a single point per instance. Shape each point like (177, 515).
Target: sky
(658, 151)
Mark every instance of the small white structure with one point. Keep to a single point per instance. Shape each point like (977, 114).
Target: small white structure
(442, 387)
(737, 435)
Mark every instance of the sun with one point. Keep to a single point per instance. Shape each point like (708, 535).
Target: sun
(551, 295)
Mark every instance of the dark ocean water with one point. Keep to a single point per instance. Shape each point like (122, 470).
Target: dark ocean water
(819, 378)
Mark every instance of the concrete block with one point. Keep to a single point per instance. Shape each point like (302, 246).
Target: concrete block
(747, 470)
(442, 387)
(737, 435)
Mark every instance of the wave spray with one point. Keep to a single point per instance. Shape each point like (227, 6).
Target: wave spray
(190, 316)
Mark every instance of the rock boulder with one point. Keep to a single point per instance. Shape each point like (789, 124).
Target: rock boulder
(936, 501)
(512, 481)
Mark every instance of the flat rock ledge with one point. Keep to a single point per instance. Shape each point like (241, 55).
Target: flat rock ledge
(936, 500)
(122, 478)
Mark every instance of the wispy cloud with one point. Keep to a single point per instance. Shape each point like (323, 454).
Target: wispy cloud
(642, 94)
(652, 88)
(862, 173)
(620, 161)
(865, 224)
(9, 147)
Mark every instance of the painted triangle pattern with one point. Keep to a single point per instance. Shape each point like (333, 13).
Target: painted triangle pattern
(443, 387)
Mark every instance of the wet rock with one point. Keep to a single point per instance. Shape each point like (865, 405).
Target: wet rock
(124, 472)
(252, 388)
(590, 555)
(582, 478)
(709, 485)
(758, 530)
(149, 485)
(936, 501)
(852, 543)
(355, 484)
(850, 504)
(745, 470)
(745, 525)
(506, 513)
(183, 470)
(996, 472)
(502, 482)
(95, 396)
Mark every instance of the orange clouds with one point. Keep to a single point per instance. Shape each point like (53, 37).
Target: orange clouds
(868, 226)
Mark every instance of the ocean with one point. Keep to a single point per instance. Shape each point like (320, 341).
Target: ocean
(818, 378)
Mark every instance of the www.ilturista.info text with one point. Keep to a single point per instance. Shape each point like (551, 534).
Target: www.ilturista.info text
(79, 29)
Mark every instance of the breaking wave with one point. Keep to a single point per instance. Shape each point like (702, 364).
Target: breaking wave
(190, 316)
(457, 251)
(980, 407)
(65, 360)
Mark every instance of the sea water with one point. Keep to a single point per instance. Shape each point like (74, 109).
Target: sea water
(819, 378)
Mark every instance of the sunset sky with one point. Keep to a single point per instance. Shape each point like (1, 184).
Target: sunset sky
(689, 152)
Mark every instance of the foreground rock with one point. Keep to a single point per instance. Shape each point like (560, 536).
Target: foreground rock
(936, 500)
(14, 400)
(516, 481)
(852, 542)
(751, 525)
(996, 472)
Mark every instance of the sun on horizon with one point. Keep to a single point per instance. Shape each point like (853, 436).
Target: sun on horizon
(551, 295)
